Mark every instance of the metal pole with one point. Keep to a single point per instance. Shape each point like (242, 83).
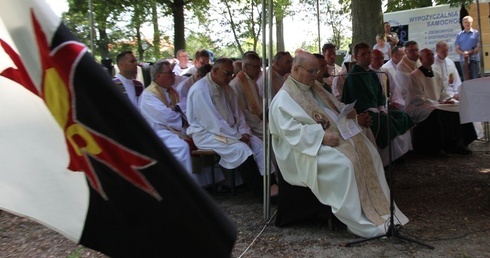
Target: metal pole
(482, 61)
(264, 110)
(318, 25)
(91, 16)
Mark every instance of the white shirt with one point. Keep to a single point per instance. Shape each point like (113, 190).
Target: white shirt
(450, 76)
(129, 88)
(396, 95)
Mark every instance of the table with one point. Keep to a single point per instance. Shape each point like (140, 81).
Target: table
(474, 100)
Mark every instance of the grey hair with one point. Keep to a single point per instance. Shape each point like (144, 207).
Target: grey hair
(157, 67)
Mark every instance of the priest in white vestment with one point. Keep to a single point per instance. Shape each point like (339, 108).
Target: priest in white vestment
(396, 98)
(439, 130)
(408, 64)
(347, 174)
(446, 68)
(281, 67)
(158, 105)
(450, 77)
(216, 122)
(247, 92)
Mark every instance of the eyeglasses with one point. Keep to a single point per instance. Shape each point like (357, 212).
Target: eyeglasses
(169, 73)
(228, 74)
(310, 71)
(254, 66)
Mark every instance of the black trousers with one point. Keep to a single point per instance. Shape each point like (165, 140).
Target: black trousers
(442, 130)
(251, 176)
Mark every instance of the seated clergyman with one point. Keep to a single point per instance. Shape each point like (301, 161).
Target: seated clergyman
(346, 174)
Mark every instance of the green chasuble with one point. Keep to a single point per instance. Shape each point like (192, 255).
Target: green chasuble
(364, 86)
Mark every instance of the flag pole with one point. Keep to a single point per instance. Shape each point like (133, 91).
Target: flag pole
(264, 110)
(318, 25)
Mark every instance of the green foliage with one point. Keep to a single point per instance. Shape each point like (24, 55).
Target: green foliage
(239, 18)
(281, 8)
(455, 3)
(199, 40)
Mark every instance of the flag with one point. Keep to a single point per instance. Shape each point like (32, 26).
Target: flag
(76, 156)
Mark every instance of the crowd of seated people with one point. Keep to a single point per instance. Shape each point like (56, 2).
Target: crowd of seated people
(219, 106)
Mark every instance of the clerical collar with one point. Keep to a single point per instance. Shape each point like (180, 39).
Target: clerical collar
(427, 73)
(208, 76)
(301, 86)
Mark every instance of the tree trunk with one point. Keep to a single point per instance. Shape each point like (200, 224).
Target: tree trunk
(367, 21)
(179, 34)
(103, 42)
(233, 28)
(141, 51)
(280, 34)
(156, 30)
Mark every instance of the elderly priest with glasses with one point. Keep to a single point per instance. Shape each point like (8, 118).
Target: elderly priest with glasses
(313, 150)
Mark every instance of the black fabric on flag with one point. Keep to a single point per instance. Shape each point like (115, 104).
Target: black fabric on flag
(131, 222)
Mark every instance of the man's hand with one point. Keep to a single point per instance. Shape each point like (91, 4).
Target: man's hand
(245, 138)
(394, 105)
(352, 114)
(330, 139)
(448, 101)
(364, 119)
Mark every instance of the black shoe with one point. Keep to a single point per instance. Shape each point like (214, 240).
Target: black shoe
(222, 189)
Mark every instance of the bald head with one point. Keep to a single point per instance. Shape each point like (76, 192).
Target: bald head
(442, 49)
(222, 71)
(305, 68)
(377, 59)
(426, 57)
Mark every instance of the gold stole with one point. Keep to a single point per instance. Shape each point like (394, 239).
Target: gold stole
(156, 90)
(373, 201)
(252, 104)
(220, 106)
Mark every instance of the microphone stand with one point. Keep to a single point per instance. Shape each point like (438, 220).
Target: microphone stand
(392, 231)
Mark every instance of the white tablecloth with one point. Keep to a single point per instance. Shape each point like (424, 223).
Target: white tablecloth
(474, 100)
